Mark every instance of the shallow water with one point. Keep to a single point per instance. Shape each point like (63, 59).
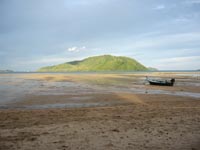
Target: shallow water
(14, 88)
(46, 106)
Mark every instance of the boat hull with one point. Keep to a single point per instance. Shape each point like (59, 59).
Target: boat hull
(161, 84)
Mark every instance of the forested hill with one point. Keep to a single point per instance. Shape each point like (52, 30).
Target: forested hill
(97, 63)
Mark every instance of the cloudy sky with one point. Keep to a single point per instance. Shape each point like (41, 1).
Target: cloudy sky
(164, 34)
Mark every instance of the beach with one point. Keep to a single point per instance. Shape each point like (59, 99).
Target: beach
(99, 111)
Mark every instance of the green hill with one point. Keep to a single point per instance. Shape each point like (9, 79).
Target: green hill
(97, 63)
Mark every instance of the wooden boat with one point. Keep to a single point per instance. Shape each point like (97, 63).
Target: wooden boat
(161, 82)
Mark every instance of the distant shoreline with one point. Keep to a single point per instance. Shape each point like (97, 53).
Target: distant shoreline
(103, 72)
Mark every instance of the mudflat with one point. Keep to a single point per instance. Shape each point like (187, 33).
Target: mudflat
(99, 111)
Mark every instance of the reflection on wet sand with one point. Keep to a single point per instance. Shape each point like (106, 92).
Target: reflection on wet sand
(98, 111)
(40, 91)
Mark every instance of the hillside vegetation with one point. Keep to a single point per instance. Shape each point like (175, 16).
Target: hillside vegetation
(97, 63)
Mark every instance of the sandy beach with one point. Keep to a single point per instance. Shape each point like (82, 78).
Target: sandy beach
(99, 111)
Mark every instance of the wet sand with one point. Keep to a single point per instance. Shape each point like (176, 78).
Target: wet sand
(101, 111)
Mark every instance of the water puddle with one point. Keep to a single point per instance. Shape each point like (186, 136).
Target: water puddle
(151, 91)
(175, 93)
(14, 88)
(49, 106)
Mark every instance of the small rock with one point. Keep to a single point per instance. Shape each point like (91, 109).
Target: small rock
(115, 130)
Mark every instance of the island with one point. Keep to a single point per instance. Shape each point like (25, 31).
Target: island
(98, 63)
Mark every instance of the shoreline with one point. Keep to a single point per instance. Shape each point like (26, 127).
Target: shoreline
(86, 89)
(128, 120)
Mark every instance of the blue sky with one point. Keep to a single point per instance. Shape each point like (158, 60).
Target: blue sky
(164, 34)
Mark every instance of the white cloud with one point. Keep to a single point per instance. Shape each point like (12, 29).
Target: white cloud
(192, 2)
(180, 59)
(182, 19)
(52, 60)
(159, 7)
(44, 60)
(179, 63)
(86, 2)
(166, 40)
(71, 49)
(76, 49)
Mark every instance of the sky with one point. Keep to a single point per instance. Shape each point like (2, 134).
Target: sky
(164, 34)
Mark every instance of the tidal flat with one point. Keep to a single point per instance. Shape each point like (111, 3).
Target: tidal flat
(99, 111)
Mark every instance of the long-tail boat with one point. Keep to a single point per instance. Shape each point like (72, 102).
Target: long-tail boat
(161, 82)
